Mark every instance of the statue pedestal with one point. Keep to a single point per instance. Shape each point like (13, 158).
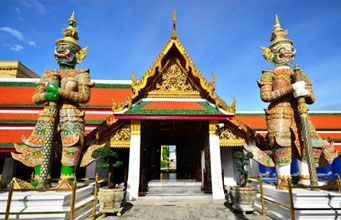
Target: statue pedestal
(316, 205)
(49, 201)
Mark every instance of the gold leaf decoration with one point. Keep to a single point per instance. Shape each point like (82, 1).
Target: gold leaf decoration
(173, 82)
(228, 138)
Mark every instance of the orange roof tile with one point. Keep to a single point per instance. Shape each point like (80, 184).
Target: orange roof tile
(15, 136)
(23, 95)
(319, 121)
(324, 121)
(16, 95)
(253, 121)
(174, 106)
(103, 96)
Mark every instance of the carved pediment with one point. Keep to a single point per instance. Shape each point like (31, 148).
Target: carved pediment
(227, 138)
(120, 138)
(173, 82)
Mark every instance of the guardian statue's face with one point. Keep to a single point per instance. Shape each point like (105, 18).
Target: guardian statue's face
(66, 54)
(283, 54)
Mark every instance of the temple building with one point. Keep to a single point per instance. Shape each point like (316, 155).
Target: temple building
(172, 104)
(15, 69)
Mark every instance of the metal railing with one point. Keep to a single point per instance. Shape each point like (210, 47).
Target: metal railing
(291, 206)
(72, 210)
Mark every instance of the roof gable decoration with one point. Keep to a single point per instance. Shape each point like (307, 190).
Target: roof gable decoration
(112, 132)
(173, 82)
(120, 138)
(173, 74)
(228, 138)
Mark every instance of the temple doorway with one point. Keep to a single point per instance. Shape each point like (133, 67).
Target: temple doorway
(168, 162)
(186, 139)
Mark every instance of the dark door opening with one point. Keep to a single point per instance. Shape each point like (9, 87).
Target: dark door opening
(187, 137)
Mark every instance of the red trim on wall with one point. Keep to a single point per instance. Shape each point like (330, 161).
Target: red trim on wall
(7, 150)
(173, 117)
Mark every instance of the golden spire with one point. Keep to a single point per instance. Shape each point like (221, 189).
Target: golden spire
(72, 20)
(277, 21)
(278, 34)
(70, 33)
(174, 36)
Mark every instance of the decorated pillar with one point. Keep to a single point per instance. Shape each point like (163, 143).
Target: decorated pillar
(216, 173)
(132, 192)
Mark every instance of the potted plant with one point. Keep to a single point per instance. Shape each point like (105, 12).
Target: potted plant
(110, 197)
(243, 197)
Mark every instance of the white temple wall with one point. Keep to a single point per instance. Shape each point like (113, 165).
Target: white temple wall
(132, 191)
(216, 171)
(231, 175)
(253, 168)
(227, 164)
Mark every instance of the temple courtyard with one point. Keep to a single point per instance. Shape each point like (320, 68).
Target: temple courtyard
(193, 210)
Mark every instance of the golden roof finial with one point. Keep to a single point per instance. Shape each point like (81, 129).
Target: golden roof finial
(174, 36)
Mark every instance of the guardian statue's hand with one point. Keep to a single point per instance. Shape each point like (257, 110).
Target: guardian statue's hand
(50, 96)
(52, 88)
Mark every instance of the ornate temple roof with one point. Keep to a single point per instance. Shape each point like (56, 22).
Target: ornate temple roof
(173, 77)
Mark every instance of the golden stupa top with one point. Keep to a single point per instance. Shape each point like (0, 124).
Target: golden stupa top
(70, 33)
(278, 35)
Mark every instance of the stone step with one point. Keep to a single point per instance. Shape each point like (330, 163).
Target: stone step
(173, 198)
(176, 182)
(174, 190)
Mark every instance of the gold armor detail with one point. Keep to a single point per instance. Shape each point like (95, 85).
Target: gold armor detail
(267, 54)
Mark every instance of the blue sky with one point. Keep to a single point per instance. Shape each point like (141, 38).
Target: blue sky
(223, 37)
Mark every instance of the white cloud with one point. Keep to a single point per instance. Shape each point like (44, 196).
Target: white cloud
(14, 47)
(17, 34)
(17, 10)
(36, 6)
(13, 32)
(39, 7)
(32, 43)
(26, 4)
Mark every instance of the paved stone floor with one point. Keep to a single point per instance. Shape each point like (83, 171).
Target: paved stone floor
(181, 211)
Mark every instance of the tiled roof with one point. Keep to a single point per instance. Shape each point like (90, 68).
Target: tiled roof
(159, 107)
(18, 114)
(174, 106)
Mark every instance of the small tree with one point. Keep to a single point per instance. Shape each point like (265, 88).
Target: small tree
(110, 161)
(243, 160)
